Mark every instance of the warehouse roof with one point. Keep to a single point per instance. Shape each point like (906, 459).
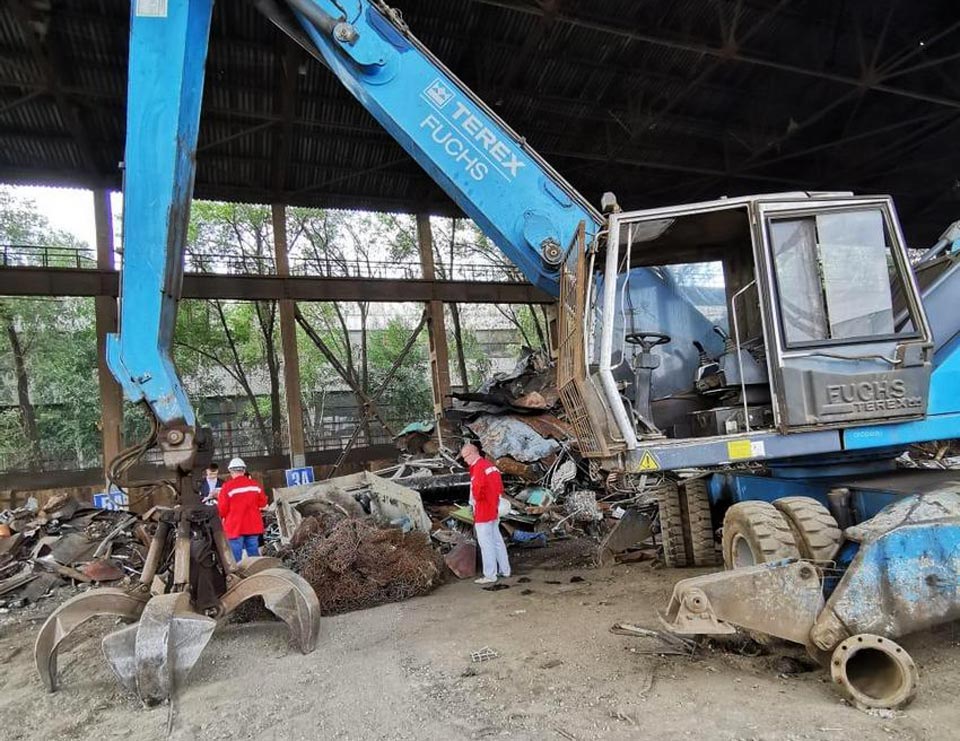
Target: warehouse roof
(659, 101)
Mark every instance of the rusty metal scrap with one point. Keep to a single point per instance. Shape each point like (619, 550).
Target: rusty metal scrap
(355, 564)
(54, 543)
(102, 570)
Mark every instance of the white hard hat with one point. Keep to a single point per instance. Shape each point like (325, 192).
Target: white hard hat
(236, 464)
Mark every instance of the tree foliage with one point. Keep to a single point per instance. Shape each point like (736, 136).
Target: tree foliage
(228, 352)
(50, 398)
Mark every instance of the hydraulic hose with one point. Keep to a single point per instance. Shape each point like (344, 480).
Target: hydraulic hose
(320, 18)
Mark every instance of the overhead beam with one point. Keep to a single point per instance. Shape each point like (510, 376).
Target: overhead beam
(287, 108)
(440, 205)
(53, 479)
(73, 282)
(729, 53)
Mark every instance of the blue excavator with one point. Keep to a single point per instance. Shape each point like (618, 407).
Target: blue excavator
(749, 366)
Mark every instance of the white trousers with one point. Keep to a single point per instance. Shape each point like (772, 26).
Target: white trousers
(493, 551)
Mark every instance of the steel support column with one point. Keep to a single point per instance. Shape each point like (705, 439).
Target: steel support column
(436, 329)
(288, 341)
(105, 309)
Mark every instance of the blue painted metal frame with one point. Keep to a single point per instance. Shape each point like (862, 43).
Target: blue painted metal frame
(165, 86)
(934, 427)
(943, 411)
(515, 197)
(513, 194)
(905, 580)
(729, 488)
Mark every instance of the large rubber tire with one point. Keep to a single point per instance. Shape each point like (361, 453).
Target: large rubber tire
(671, 526)
(817, 533)
(755, 533)
(703, 549)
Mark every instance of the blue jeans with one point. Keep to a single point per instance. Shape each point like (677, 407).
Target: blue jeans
(250, 543)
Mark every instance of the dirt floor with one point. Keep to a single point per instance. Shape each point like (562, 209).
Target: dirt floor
(403, 671)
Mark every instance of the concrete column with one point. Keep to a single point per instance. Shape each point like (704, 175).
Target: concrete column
(105, 311)
(288, 343)
(436, 331)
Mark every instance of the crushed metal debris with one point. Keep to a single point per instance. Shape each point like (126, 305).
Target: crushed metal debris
(354, 564)
(64, 543)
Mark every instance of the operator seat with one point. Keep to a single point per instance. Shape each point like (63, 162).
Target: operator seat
(644, 364)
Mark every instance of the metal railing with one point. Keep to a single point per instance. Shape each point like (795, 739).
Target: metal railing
(472, 272)
(245, 440)
(232, 439)
(229, 264)
(19, 462)
(46, 256)
(319, 267)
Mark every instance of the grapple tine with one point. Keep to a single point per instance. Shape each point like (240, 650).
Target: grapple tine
(254, 565)
(120, 650)
(72, 614)
(169, 640)
(288, 596)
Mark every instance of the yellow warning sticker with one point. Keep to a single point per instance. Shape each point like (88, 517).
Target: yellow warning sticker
(649, 462)
(738, 449)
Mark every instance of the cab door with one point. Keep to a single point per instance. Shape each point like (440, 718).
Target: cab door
(847, 339)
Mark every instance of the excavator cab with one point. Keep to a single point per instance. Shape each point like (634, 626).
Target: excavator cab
(752, 328)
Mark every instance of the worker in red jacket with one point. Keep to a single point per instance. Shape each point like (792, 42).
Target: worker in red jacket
(486, 487)
(239, 504)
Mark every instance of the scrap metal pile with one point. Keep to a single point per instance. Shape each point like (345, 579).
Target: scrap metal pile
(359, 540)
(552, 493)
(353, 564)
(63, 543)
(366, 539)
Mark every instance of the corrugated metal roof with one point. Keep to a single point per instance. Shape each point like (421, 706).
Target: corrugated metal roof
(657, 100)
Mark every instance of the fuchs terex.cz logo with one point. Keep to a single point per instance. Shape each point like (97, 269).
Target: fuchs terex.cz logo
(476, 146)
(439, 93)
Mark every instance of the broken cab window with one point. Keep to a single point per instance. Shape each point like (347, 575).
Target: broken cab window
(836, 277)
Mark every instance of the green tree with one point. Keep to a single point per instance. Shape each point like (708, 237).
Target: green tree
(408, 396)
(460, 252)
(49, 351)
(239, 338)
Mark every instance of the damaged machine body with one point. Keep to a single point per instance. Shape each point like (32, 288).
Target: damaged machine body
(814, 337)
(776, 328)
(894, 574)
(836, 354)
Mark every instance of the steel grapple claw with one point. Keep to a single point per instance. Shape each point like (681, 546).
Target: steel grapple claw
(250, 566)
(201, 583)
(287, 595)
(154, 656)
(127, 605)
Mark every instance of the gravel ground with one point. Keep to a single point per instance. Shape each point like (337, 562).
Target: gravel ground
(403, 671)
